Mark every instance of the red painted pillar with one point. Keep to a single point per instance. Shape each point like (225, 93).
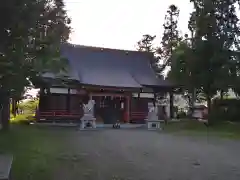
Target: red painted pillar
(127, 110)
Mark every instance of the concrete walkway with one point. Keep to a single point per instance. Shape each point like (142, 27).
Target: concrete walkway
(145, 155)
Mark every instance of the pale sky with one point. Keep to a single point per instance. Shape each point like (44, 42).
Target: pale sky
(121, 23)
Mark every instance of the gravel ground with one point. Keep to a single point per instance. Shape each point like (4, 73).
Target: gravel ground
(147, 155)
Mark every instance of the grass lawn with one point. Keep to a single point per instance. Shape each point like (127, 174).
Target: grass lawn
(35, 150)
(193, 127)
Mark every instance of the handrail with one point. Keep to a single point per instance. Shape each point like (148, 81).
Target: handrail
(138, 114)
(63, 113)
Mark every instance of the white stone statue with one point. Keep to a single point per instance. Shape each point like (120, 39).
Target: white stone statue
(152, 112)
(89, 107)
(88, 116)
(152, 118)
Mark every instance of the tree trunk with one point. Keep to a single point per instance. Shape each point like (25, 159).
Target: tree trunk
(192, 101)
(221, 94)
(209, 104)
(14, 107)
(5, 110)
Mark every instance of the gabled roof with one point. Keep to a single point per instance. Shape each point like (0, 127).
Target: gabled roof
(110, 67)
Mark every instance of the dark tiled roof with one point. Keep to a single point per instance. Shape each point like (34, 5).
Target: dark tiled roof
(110, 67)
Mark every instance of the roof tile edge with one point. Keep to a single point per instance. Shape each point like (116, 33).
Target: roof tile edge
(107, 49)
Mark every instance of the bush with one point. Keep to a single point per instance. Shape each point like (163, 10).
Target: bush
(226, 110)
(28, 106)
(181, 115)
(23, 119)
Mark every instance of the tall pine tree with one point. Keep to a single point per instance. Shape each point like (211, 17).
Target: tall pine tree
(146, 45)
(171, 38)
(170, 41)
(215, 41)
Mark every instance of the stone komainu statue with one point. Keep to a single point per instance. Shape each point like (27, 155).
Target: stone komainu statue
(85, 98)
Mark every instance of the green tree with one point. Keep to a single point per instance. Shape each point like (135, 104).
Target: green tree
(209, 61)
(29, 106)
(217, 35)
(213, 57)
(30, 43)
(181, 73)
(171, 37)
(146, 45)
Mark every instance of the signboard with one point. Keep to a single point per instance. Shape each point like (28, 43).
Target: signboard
(59, 90)
(144, 95)
(65, 91)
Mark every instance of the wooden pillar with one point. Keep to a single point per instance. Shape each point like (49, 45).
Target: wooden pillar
(171, 105)
(154, 101)
(68, 100)
(41, 100)
(127, 109)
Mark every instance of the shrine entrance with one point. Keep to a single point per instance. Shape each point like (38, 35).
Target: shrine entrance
(109, 109)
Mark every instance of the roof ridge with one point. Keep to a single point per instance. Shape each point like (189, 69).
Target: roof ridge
(106, 48)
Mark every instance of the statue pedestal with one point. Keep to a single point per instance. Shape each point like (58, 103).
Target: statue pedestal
(153, 125)
(84, 123)
(88, 120)
(152, 119)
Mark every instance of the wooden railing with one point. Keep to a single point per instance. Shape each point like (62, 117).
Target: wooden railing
(138, 115)
(58, 113)
(135, 115)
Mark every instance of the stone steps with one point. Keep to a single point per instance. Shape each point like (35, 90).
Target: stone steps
(5, 166)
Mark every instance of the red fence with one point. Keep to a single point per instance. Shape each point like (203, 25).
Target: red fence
(63, 113)
(138, 115)
(58, 113)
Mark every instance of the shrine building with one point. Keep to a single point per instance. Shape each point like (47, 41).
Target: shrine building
(121, 82)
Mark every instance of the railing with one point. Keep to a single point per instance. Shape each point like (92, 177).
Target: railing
(63, 113)
(58, 113)
(138, 115)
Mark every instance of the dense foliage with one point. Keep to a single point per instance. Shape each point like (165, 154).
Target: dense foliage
(226, 110)
(146, 45)
(171, 36)
(210, 61)
(30, 43)
(205, 61)
(170, 40)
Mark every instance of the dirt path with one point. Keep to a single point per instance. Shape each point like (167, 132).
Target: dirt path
(143, 155)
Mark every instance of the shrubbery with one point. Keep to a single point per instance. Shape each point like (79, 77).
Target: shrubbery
(28, 109)
(181, 115)
(226, 110)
